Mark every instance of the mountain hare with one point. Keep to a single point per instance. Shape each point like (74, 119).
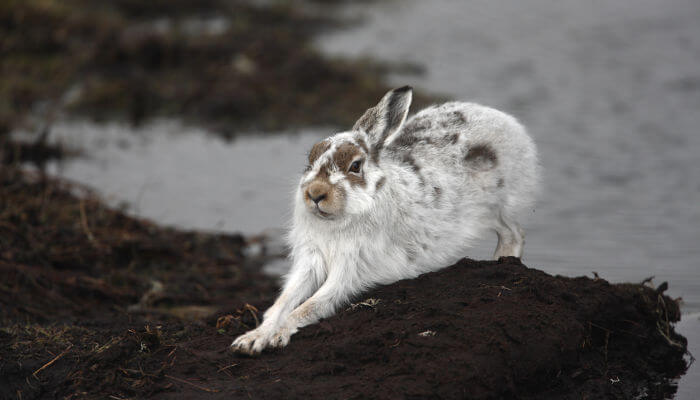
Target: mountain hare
(392, 199)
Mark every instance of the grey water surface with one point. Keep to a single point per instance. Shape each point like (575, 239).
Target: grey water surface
(610, 90)
(185, 176)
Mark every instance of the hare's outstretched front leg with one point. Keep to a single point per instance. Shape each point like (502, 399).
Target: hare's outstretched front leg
(334, 292)
(305, 277)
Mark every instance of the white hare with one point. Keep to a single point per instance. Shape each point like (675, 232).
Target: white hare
(392, 199)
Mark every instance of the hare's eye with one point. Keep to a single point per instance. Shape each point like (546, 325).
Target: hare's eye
(355, 166)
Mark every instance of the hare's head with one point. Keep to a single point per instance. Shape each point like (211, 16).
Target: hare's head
(344, 172)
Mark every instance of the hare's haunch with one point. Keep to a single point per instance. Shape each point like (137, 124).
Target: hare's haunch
(394, 198)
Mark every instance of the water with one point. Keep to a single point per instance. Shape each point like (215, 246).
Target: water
(186, 177)
(609, 90)
(689, 386)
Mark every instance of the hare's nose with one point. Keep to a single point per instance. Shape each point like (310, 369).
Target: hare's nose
(317, 191)
(316, 197)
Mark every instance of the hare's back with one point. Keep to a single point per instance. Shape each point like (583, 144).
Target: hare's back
(473, 142)
(458, 131)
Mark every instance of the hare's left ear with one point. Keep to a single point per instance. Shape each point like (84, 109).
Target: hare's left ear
(386, 118)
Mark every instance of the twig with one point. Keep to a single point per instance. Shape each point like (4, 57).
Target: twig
(500, 291)
(48, 364)
(83, 221)
(495, 287)
(253, 311)
(369, 303)
(665, 330)
(193, 384)
(668, 336)
(227, 367)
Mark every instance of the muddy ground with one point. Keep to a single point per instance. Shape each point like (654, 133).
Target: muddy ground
(94, 304)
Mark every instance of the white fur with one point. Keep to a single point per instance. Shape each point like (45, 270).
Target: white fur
(407, 227)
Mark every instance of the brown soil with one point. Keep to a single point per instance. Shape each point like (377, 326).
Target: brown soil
(94, 304)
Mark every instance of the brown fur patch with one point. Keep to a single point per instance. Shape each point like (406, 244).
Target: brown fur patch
(318, 188)
(343, 157)
(408, 159)
(334, 201)
(323, 173)
(318, 149)
(455, 118)
(481, 156)
(380, 183)
(405, 139)
(411, 136)
(356, 180)
(417, 125)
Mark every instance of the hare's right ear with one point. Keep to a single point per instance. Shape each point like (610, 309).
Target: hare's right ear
(386, 118)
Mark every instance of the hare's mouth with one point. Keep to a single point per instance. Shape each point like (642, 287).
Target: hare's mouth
(317, 210)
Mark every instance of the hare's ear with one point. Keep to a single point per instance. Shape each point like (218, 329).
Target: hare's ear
(386, 118)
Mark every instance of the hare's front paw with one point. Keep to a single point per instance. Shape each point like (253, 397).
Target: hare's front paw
(281, 337)
(258, 339)
(253, 342)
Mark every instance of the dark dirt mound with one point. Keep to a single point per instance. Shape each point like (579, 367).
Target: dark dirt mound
(483, 329)
(94, 304)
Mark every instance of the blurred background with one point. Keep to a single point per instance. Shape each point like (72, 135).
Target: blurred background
(199, 115)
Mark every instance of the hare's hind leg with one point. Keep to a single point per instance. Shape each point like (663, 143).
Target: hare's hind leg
(511, 238)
